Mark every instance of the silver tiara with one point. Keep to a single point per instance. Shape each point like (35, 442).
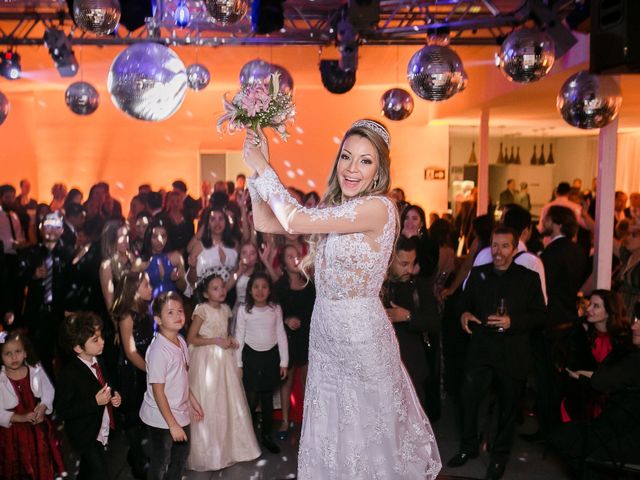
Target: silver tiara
(374, 126)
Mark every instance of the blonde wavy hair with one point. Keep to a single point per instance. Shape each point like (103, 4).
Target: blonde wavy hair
(333, 196)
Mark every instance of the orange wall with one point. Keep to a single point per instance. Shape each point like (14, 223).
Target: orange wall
(42, 140)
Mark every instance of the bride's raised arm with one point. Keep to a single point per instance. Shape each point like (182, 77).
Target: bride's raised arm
(364, 214)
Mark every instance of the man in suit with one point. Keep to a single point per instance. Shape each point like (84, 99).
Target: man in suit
(84, 399)
(508, 196)
(633, 210)
(565, 265)
(74, 217)
(44, 268)
(412, 308)
(502, 303)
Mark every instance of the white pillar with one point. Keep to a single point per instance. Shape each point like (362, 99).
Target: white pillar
(605, 193)
(483, 164)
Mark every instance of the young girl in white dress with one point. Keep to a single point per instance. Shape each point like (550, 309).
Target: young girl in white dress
(225, 436)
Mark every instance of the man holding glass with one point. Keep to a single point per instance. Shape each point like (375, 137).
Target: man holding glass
(503, 301)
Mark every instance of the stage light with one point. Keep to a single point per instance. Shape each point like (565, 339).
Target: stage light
(347, 40)
(10, 65)
(334, 78)
(182, 15)
(60, 49)
(267, 16)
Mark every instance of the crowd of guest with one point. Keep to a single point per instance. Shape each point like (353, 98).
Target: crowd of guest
(481, 308)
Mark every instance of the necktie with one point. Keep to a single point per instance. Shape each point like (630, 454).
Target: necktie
(96, 367)
(48, 280)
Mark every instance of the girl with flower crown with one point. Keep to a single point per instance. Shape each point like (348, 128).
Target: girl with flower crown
(362, 418)
(225, 435)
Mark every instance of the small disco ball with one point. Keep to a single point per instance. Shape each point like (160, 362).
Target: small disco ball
(4, 107)
(435, 73)
(198, 76)
(226, 12)
(82, 98)
(526, 55)
(147, 81)
(97, 16)
(396, 103)
(589, 101)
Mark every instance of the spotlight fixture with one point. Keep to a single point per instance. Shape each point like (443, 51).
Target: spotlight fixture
(182, 15)
(347, 40)
(60, 49)
(10, 65)
(334, 78)
(267, 16)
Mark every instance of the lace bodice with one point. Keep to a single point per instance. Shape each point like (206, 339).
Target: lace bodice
(215, 320)
(352, 258)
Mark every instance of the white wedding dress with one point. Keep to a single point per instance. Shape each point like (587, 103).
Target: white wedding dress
(362, 418)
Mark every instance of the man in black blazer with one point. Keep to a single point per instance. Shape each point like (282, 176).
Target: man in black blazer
(565, 266)
(412, 308)
(84, 399)
(503, 302)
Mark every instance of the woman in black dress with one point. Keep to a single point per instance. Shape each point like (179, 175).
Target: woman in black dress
(296, 295)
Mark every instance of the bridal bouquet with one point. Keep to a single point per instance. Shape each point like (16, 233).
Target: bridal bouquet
(258, 105)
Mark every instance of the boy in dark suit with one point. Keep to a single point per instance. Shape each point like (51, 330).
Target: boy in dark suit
(83, 398)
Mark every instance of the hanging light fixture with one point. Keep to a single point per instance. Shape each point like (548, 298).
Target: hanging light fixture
(435, 72)
(526, 55)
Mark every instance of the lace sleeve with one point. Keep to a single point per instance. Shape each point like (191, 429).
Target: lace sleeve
(361, 214)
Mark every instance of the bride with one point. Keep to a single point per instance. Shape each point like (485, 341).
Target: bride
(362, 418)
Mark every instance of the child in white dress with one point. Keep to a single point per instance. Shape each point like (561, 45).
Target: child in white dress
(225, 436)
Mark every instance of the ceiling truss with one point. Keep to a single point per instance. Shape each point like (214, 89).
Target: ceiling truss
(401, 22)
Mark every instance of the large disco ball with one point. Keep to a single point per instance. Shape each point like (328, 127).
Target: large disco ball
(147, 81)
(396, 103)
(527, 55)
(97, 16)
(589, 101)
(435, 73)
(4, 107)
(198, 76)
(82, 98)
(226, 12)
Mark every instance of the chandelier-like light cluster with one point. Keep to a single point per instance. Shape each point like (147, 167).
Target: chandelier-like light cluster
(589, 101)
(147, 81)
(526, 55)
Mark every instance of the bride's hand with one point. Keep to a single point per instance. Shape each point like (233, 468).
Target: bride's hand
(256, 151)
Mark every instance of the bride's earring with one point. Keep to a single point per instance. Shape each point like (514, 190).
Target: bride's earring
(375, 182)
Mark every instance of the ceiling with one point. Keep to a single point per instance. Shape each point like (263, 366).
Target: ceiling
(471, 22)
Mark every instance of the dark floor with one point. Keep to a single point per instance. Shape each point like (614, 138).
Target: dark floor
(528, 462)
